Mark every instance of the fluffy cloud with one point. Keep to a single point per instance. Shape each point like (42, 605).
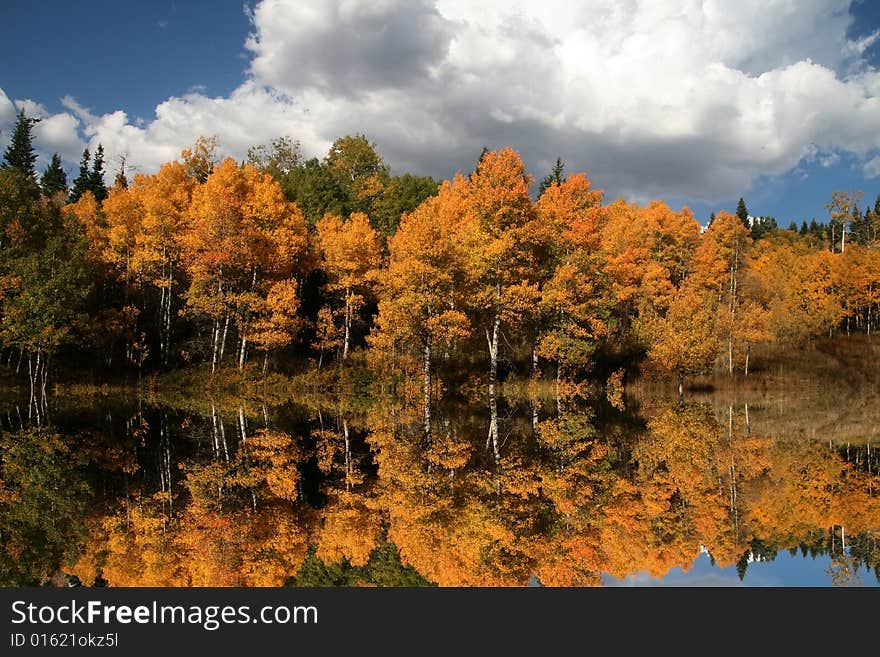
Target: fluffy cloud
(692, 99)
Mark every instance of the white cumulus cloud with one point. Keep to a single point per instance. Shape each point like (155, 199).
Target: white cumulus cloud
(692, 99)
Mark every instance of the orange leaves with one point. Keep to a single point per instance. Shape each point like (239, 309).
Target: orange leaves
(276, 320)
(647, 252)
(241, 220)
(571, 211)
(684, 340)
(351, 250)
(88, 213)
(498, 192)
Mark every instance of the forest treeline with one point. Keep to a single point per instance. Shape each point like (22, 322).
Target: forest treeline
(219, 263)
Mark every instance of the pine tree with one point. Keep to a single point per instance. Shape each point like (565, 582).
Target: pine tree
(711, 219)
(54, 179)
(96, 178)
(805, 230)
(793, 227)
(858, 227)
(555, 176)
(20, 153)
(82, 182)
(743, 213)
(479, 161)
(762, 226)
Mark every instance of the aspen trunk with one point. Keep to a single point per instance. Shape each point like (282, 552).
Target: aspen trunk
(427, 387)
(348, 468)
(242, 425)
(242, 352)
(493, 384)
(223, 340)
(347, 324)
(215, 346)
(166, 344)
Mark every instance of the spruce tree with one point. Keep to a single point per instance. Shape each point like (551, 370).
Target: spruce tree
(82, 182)
(20, 153)
(54, 180)
(793, 227)
(858, 228)
(743, 213)
(555, 176)
(805, 230)
(711, 219)
(96, 178)
(762, 226)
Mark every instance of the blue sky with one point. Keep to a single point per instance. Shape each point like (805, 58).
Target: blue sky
(692, 106)
(112, 55)
(785, 570)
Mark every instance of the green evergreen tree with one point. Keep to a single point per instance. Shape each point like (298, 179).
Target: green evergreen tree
(479, 159)
(20, 153)
(743, 213)
(711, 219)
(402, 194)
(743, 565)
(858, 227)
(54, 179)
(817, 232)
(315, 190)
(763, 226)
(556, 175)
(805, 230)
(82, 182)
(96, 177)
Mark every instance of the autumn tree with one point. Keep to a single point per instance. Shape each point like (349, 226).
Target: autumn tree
(840, 208)
(277, 158)
(684, 340)
(501, 265)
(421, 291)
(718, 268)
(575, 298)
(201, 159)
(350, 255)
(244, 236)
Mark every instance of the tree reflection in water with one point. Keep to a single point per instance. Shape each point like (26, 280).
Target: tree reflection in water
(346, 493)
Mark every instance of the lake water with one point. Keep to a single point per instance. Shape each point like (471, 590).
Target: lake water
(775, 490)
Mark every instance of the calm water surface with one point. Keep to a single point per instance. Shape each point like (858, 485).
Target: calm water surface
(773, 491)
